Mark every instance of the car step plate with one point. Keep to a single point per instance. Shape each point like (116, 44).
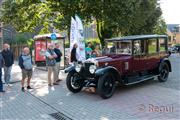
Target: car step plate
(141, 79)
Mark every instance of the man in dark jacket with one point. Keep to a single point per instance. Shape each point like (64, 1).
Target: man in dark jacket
(8, 62)
(58, 60)
(1, 65)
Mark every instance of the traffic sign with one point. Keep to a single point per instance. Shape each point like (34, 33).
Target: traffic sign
(53, 36)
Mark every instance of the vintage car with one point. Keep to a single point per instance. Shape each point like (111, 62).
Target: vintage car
(127, 60)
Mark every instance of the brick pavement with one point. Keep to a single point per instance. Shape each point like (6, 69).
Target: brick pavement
(139, 101)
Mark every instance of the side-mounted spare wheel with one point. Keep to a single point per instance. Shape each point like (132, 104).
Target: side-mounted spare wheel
(163, 72)
(74, 82)
(106, 85)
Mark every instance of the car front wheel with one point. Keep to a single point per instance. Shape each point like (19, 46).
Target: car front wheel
(106, 85)
(74, 82)
(164, 72)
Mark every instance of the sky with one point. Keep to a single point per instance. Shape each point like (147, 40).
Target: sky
(171, 11)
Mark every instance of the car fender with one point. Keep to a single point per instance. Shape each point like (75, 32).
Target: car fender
(167, 61)
(102, 71)
(69, 69)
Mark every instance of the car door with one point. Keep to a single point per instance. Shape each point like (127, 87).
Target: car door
(139, 56)
(153, 54)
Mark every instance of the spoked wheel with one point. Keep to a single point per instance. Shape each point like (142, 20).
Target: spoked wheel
(106, 85)
(74, 82)
(164, 72)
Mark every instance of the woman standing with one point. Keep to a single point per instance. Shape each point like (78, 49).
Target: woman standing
(97, 52)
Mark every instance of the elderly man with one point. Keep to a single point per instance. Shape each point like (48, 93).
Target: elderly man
(8, 62)
(26, 64)
(58, 60)
(51, 64)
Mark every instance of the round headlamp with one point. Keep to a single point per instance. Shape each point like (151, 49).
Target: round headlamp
(78, 67)
(92, 69)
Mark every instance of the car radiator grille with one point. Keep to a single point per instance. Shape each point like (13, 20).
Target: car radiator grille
(86, 69)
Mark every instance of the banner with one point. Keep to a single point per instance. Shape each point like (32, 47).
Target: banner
(73, 31)
(80, 39)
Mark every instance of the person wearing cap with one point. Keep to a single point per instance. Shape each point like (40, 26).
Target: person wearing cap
(51, 64)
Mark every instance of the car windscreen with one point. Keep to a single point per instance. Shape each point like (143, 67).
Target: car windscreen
(118, 47)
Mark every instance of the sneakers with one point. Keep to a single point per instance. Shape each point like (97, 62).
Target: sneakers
(58, 80)
(28, 87)
(23, 90)
(55, 83)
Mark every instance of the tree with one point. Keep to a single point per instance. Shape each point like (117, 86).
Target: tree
(161, 27)
(113, 18)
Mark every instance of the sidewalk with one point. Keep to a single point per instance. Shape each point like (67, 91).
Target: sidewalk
(57, 103)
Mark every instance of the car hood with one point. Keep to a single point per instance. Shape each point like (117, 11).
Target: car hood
(108, 58)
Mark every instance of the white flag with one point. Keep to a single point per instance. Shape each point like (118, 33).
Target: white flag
(73, 32)
(80, 39)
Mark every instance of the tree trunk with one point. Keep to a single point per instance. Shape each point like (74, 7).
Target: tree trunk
(99, 32)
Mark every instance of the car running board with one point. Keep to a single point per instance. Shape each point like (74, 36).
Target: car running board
(141, 79)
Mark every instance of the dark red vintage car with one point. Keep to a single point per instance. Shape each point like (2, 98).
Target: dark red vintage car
(127, 60)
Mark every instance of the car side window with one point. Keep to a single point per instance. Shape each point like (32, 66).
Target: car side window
(139, 47)
(162, 46)
(152, 46)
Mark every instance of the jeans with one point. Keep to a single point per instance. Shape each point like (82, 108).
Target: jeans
(7, 74)
(1, 83)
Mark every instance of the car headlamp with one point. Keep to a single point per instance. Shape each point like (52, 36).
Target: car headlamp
(92, 69)
(78, 67)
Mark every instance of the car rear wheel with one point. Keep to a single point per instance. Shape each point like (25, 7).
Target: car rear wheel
(74, 82)
(106, 85)
(164, 72)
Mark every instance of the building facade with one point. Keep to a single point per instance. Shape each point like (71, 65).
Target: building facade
(173, 31)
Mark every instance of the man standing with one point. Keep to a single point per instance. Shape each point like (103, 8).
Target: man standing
(51, 64)
(26, 65)
(58, 60)
(8, 62)
(1, 65)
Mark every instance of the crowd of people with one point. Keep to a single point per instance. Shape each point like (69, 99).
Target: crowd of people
(90, 52)
(53, 58)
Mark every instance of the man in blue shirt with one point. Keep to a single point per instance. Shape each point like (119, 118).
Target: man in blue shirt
(26, 65)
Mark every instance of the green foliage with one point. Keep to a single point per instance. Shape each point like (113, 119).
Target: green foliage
(161, 27)
(113, 18)
(94, 42)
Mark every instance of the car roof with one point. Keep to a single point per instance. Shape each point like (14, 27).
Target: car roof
(135, 37)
